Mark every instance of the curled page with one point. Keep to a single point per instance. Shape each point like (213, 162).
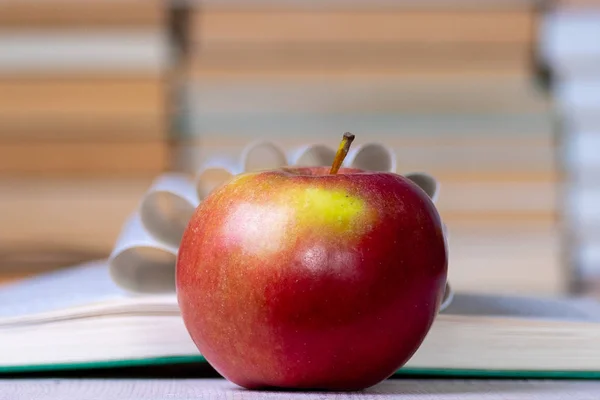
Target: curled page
(372, 157)
(168, 206)
(144, 257)
(142, 263)
(312, 156)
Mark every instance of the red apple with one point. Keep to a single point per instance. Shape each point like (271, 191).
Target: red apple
(311, 278)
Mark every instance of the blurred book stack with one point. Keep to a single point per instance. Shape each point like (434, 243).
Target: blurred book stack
(570, 48)
(82, 124)
(450, 87)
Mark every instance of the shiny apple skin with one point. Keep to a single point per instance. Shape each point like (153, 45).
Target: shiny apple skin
(294, 278)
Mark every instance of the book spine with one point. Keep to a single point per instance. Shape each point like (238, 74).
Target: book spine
(83, 125)
(571, 51)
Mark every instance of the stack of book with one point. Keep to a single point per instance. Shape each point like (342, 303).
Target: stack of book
(571, 51)
(82, 123)
(450, 87)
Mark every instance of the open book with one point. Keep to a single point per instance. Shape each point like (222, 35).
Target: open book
(123, 311)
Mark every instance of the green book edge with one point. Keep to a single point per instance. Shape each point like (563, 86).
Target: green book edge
(408, 372)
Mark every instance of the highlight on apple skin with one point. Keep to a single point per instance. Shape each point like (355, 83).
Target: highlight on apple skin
(306, 278)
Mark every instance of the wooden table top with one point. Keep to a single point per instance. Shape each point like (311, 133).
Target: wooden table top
(117, 389)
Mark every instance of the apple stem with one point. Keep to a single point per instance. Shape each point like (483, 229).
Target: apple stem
(341, 153)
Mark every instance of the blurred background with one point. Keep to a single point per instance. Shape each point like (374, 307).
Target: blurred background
(500, 100)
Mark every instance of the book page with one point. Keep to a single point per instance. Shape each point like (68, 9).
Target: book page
(574, 309)
(143, 260)
(80, 285)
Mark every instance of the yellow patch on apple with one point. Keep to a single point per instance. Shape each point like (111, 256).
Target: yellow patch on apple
(331, 209)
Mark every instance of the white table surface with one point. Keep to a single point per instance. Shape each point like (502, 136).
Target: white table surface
(116, 389)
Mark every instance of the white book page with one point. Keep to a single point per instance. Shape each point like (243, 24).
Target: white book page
(72, 287)
(568, 309)
(144, 257)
